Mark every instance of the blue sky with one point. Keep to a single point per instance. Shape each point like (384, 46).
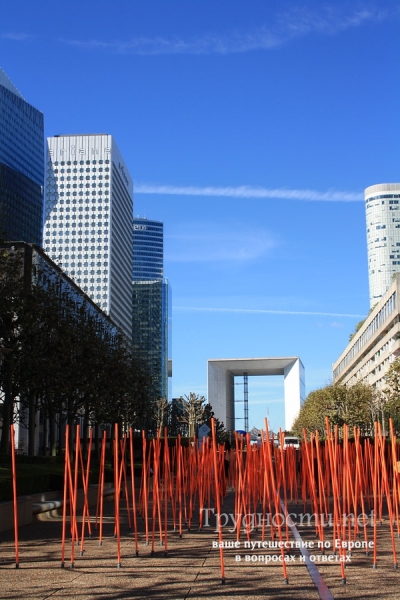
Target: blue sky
(251, 129)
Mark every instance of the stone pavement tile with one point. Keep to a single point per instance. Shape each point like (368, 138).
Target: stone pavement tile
(126, 585)
(363, 581)
(190, 571)
(254, 583)
(34, 582)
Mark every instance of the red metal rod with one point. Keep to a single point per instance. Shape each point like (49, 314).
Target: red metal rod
(100, 493)
(132, 457)
(218, 500)
(66, 480)
(75, 535)
(15, 500)
(117, 485)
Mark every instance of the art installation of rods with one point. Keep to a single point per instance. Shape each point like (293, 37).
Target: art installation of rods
(339, 476)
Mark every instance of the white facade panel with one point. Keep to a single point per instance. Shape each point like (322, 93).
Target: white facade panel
(294, 391)
(221, 392)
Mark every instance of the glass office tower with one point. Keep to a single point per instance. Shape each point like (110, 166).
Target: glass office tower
(21, 166)
(88, 220)
(151, 304)
(148, 249)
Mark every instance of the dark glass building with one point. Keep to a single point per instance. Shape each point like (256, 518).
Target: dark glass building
(151, 304)
(148, 249)
(21, 166)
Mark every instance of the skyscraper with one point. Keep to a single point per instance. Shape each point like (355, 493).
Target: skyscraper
(88, 219)
(148, 249)
(151, 304)
(21, 166)
(382, 206)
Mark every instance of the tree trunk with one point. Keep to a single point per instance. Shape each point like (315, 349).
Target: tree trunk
(97, 440)
(8, 406)
(45, 428)
(60, 433)
(7, 420)
(85, 429)
(52, 433)
(31, 423)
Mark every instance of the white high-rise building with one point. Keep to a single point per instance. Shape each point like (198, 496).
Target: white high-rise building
(382, 206)
(88, 220)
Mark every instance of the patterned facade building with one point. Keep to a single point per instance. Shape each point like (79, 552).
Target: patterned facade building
(89, 219)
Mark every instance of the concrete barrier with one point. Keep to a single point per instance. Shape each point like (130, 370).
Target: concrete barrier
(45, 506)
(25, 516)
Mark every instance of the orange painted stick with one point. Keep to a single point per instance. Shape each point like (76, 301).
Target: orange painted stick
(144, 485)
(15, 500)
(117, 491)
(179, 490)
(166, 489)
(132, 457)
(375, 490)
(395, 474)
(123, 476)
(156, 500)
(85, 479)
(275, 494)
(217, 500)
(75, 535)
(100, 491)
(385, 485)
(359, 479)
(66, 480)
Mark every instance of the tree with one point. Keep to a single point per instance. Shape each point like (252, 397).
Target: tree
(350, 405)
(161, 409)
(361, 323)
(357, 328)
(191, 412)
(61, 355)
(12, 294)
(390, 402)
(220, 431)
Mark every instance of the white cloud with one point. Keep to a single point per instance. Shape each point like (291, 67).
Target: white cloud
(196, 242)
(288, 26)
(209, 43)
(246, 191)
(328, 21)
(267, 312)
(16, 37)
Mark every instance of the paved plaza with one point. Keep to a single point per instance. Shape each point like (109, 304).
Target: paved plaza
(191, 569)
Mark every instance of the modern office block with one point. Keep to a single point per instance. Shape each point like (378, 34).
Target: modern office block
(89, 219)
(372, 349)
(150, 334)
(382, 206)
(151, 305)
(148, 249)
(21, 166)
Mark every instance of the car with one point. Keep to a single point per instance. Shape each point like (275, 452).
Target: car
(291, 441)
